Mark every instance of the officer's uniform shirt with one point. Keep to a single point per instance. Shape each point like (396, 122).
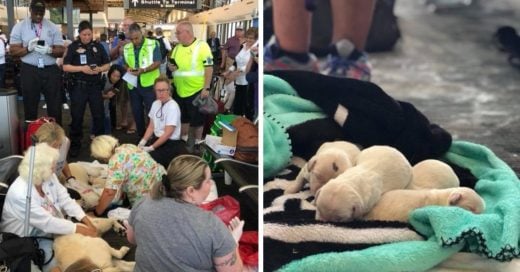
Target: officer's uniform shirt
(79, 54)
(25, 31)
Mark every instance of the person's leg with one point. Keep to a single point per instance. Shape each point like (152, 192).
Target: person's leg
(2, 75)
(52, 91)
(31, 86)
(185, 115)
(168, 151)
(292, 28)
(351, 20)
(136, 101)
(250, 102)
(95, 102)
(292, 25)
(148, 99)
(239, 105)
(78, 102)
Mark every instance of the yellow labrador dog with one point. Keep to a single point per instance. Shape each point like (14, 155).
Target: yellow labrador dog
(71, 248)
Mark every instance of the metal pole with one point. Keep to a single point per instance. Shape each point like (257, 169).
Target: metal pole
(70, 21)
(10, 15)
(29, 187)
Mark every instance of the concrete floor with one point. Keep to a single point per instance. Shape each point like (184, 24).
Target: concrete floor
(448, 67)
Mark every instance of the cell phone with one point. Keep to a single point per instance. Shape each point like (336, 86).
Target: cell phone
(121, 36)
(41, 42)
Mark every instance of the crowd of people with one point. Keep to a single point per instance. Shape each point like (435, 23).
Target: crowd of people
(158, 172)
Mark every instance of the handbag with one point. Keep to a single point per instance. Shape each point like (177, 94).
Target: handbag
(225, 208)
(206, 105)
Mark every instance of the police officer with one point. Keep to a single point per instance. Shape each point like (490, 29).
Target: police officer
(85, 61)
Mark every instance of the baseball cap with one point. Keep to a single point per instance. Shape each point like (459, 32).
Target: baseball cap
(37, 5)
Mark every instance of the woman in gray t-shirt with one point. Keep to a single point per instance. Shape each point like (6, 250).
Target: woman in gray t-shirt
(173, 234)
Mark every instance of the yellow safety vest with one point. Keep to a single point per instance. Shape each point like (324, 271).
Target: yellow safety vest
(145, 57)
(189, 76)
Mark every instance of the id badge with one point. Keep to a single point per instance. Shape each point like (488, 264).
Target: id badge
(83, 59)
(40, 63)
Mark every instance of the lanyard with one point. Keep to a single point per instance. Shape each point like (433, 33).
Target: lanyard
(38, 30)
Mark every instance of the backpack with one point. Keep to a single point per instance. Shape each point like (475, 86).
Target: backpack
(162, 46)
(16, 253)
(32, 127)
(247, 140)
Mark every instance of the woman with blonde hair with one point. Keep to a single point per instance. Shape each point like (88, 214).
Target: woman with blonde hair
(50, 202)
(182, 236)
(54, 135)
(130, 170)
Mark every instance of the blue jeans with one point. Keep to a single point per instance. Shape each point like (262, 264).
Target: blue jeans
(141, 100)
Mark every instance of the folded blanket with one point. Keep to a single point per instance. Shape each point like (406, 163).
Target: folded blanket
(495, 233)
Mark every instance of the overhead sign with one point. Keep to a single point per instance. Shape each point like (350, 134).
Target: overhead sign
(176, 4)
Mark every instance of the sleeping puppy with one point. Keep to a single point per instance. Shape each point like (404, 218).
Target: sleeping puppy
(433, 174)
(70, 248)
(396, 205)
(353, 194)
(331, 159)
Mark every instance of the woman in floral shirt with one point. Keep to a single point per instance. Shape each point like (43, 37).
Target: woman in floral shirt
(130, 170)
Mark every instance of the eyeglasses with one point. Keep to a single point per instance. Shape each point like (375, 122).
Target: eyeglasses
(162, 90)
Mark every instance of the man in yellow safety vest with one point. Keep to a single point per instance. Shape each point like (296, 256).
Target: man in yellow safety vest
(142, 59)
(191, 62)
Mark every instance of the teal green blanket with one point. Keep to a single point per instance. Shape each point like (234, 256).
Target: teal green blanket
(495, 233)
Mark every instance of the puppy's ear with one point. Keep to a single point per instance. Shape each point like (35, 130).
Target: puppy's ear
(335, 167)
(454, 198)
(311, 163)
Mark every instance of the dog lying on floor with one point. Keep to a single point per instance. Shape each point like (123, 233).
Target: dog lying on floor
(71, 248)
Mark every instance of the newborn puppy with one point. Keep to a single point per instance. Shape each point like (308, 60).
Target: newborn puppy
(396, 205)
(331, 159)
(433, 174)
(352, 194)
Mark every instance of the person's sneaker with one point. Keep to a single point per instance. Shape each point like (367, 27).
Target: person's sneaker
(44, 106)
(274, 62)
(65, 106)
(348, 62)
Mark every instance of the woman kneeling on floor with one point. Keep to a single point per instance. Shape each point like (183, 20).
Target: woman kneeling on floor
(130, 170)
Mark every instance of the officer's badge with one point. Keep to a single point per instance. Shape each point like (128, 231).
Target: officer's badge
(81, 50)
(94, 49)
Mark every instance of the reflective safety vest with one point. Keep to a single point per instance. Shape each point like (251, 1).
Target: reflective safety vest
(189, 76)
(145, 58)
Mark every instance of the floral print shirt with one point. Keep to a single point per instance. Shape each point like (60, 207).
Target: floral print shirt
(132, 171)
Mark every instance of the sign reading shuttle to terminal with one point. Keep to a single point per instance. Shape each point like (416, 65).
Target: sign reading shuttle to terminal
(177, 4)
